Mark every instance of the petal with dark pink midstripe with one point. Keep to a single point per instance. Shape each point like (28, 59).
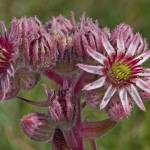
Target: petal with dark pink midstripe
(91, 69)
(97, 56)
(143, 57)
(96, 84)
(142, 85)
(124, 100)
(120, 43)
(133, 45)
(108, 95)
(136, 97)
(108, 47)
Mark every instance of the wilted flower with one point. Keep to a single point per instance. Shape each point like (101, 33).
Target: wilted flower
(120, 68)
(38, 46)
(9, 41)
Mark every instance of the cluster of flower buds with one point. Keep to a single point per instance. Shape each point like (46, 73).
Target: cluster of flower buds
(90, 64)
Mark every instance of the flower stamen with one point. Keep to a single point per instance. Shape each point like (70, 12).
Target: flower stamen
(120, 71)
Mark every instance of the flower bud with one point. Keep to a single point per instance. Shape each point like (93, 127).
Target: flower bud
(87, 33)
(116, 111)
(60, 28)
(61, 107)
(37, 127)
(39, 47)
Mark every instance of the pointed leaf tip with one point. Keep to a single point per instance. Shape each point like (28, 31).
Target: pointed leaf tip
(97, 129)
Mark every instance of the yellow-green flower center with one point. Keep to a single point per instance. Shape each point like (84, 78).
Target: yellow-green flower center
(120, 71)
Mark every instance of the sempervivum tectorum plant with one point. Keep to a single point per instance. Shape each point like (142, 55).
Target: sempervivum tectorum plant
(9, 43)
(120, 70)
(39, 48)
(29, 50)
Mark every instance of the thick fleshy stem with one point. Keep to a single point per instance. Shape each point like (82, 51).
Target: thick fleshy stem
(78, 126)
(53, 75)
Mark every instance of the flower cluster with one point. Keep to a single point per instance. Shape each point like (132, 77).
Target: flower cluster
(91, 65)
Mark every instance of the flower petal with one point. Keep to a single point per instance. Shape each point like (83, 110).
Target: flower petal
(108, 95)
(142, 47)
(120, 43)
(96, 84)
(145, 73)
(108, 47)
(136, 97)
(143, 57)
(91, 69)
(133, 45)
(95, 55)
(142, 85)
(124, 100)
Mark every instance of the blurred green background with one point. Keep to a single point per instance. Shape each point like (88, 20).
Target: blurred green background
(132, 133)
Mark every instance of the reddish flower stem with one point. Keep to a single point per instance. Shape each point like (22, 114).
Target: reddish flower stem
(78, 127)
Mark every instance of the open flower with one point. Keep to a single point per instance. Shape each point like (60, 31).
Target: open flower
(120, 67)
